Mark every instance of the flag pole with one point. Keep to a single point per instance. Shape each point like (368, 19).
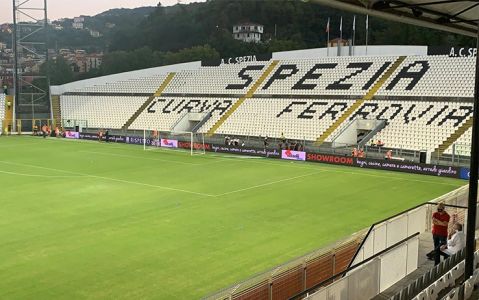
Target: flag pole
(367, 33)
(340, 36)
(327, 30)
(354, 36)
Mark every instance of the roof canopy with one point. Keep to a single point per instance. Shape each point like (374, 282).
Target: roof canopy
(456, 16)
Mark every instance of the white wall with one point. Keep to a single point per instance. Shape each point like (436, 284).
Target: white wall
(359, 51)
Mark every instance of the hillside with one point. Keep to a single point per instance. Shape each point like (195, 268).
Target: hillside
(154, 36)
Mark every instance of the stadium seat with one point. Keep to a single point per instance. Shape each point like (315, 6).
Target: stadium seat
(424, 101)
(100, 111)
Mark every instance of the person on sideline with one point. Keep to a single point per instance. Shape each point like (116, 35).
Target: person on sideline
(456, 241)
(440, 222)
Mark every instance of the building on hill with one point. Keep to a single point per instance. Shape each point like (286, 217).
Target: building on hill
(248, 32)
(338, 42)
(78, 22)
(95, 33)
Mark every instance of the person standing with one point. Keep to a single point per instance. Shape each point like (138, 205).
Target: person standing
(44, 131)
(107, 135)
(440, 222)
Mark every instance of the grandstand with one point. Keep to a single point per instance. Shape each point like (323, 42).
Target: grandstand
(427, 97)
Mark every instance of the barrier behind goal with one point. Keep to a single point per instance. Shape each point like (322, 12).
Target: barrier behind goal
(191, 141)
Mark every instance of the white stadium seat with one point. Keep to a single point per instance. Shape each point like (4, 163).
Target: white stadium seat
(424, 101)
(100, 111)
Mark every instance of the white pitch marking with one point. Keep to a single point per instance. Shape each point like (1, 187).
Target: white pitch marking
(43, 176)
(266, 184)
(140, 157)
(111, 179)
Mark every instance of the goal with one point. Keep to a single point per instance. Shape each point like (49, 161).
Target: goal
(193, 142)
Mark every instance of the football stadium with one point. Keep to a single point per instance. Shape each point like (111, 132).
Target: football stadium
(341, 172)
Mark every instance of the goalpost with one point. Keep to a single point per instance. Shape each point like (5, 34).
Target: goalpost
(193, 142)
(197, 143)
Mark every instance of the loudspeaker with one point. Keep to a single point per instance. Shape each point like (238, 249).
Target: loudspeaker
(422, 157)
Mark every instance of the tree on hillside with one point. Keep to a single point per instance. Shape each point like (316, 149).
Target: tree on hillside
(59, 71)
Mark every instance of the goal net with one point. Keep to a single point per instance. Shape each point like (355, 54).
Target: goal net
(192, 142)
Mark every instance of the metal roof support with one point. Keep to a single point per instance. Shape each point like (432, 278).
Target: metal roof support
(455, 25)
(473, 180)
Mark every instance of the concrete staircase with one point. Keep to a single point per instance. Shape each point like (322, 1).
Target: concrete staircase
(150, 99)
(8, 119)
(240, 101)
(453, 138)
(369, 95)
(56, 110)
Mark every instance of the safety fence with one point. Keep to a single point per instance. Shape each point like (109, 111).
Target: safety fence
(370, 277)
(384, 233)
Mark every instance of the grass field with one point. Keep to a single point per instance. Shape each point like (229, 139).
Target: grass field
(83, 220)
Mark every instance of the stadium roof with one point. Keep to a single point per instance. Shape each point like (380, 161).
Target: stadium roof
(457, 16)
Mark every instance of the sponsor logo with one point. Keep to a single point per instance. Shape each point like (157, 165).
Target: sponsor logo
(452, 51)
(271, 153)
(293, 155)
(94, 137)
(196, 146)
(330, 159)
(72, 135)
(169, 143)
(415, 168)
(465, 173)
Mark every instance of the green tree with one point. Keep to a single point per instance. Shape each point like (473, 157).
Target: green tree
(59, 71)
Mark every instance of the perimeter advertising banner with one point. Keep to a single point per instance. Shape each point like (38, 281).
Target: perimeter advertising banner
(94, 137)
(409, 167)
(390, 165)
(169, 143)
(293, 155)
(72, 135)
(330, 159)
(248, 151)
(138, 140)
(196, 146)
(465, 173)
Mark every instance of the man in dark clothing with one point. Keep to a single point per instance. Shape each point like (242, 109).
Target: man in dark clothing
(107, 136)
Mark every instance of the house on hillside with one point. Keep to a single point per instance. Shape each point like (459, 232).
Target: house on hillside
(248, 32)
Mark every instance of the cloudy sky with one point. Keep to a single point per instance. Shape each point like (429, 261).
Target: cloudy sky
(70, 8)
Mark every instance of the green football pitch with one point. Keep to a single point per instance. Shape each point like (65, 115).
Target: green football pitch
(83, 220)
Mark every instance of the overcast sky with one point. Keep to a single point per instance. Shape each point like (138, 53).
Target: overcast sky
(70, 8)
